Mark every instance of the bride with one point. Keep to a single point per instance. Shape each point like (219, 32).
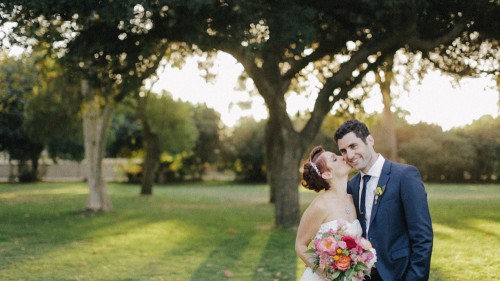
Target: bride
(324, 171)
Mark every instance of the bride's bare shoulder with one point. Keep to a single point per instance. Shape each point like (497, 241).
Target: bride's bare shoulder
(320, 202)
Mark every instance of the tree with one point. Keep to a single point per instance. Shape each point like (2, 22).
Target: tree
(112, 55)
(338, 42)
(52, 112)
(42, 116)
(418, 146)
(472, 54)
(247, 142)
(468, 154)
(125, 134)
(483, 136)
(17, 79)
(209, 148)
(384, 79)
(167, 127)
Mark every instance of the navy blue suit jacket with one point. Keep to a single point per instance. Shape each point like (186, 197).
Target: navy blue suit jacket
(400, 225)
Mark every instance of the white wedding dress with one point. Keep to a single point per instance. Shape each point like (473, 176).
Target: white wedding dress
(353, 228)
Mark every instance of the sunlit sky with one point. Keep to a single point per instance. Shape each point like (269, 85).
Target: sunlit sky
(435, 101)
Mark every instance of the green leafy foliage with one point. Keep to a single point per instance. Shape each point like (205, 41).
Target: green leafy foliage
(39, 96)
(172, 122)
(17, 78)
(467, 154)
(52, 112)
(125, 133)
(247, 143)
(210, 150)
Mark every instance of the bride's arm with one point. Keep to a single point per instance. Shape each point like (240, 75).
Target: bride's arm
(310, 222)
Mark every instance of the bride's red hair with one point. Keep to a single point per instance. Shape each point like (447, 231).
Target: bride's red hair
(311, 178)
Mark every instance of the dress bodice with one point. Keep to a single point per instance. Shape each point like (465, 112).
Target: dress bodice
(352, 228)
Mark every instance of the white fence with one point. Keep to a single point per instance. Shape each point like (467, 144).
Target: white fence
(65, 170)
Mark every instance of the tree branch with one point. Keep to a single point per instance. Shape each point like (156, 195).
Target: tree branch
(324, 104)
(251, 68)
(429, 45)
(297, 66)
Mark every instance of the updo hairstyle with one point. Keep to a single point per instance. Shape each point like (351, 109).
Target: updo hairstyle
(311, 179)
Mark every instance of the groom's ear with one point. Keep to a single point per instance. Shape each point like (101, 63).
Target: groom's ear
(370, 140)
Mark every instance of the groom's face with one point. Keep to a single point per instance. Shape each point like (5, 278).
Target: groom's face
(356, 152)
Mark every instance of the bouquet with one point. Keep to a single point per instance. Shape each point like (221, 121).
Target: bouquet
(340, 256)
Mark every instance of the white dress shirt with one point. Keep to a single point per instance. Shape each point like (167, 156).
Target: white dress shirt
(374, 172)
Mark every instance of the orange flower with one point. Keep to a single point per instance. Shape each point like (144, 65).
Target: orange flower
(343, 263)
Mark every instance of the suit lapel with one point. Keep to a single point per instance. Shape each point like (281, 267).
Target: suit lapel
(384, 178)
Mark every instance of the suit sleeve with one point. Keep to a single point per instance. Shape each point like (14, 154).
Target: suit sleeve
(414, 198)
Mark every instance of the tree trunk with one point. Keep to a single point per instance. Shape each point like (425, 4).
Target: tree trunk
(388, 124)
(96, 117)
(283, 154)
(12, 175)
(272, 190)
(34, 167)
(153, 151)
(21, 170)
(150, 165)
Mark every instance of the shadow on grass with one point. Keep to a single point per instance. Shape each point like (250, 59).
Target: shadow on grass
(281, 266)
(228, 250)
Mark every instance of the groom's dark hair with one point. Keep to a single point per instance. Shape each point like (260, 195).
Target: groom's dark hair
(353, 125)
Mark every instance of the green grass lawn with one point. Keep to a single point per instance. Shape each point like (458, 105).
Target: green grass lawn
(207, 232)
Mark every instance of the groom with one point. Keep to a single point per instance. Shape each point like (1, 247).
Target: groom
(393, 211)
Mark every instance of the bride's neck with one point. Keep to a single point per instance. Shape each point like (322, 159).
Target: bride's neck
(338, 186)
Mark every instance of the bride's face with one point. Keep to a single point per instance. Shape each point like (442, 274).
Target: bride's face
(336, 163)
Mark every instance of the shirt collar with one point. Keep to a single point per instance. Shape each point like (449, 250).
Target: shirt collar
(376, 169)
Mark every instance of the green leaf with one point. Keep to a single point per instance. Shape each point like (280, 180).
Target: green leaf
(360, 266)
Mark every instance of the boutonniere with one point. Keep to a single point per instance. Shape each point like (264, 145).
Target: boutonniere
(378, 193)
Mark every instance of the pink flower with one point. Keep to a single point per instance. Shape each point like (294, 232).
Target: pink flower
(324, 261)
(326, 245)
(332, 232)
(364, 243)
(370, 258)
(359, 276)
(357, 258)
(342, 245)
